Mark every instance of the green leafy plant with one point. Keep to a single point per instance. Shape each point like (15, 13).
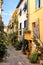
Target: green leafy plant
(33, 57)
(19, 45)
(13, 38)
(3, 50)
(25, 46)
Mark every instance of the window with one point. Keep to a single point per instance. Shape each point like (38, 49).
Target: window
(36, 30)
(37, 4)
(20, 12)
(20, 32)
(20, 28)
(25, 7)
(25, 24)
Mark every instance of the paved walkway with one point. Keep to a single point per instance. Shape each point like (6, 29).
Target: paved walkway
(16, 58)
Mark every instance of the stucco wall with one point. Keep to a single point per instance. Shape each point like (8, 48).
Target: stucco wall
(33, 15)
(33, 18)
(21, 18)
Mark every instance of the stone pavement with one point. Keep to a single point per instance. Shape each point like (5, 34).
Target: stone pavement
(16, 58)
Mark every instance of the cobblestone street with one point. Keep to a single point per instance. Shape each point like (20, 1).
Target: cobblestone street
(16, 58)
(21, 23)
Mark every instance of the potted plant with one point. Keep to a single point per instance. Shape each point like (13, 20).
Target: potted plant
(33, 57)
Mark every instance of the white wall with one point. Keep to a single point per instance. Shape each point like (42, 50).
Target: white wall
(23, 17)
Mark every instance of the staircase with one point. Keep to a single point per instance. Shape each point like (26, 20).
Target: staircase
(38, 39)
(38, 45)
(35, 43)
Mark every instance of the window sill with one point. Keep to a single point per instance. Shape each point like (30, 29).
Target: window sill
(27, 31)
(38, 9)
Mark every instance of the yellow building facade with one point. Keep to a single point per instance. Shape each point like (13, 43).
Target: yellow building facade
(12, 23)
(35, 20)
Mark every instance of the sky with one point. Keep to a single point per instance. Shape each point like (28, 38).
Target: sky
(9, 7)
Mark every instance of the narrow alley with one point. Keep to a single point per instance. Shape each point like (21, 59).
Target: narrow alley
(16, 58)
(21, 33)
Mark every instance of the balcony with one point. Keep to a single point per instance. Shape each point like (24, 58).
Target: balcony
(27, 35)
(25, 30)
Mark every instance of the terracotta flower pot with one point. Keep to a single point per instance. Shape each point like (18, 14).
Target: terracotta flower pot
(27, 53)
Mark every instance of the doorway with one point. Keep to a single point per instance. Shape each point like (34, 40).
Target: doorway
(35, 27)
